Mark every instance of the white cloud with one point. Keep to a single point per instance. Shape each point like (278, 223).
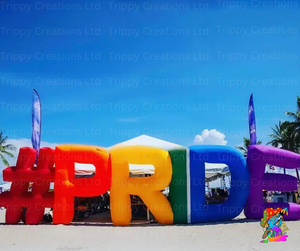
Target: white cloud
(210, 137)
(19, 143)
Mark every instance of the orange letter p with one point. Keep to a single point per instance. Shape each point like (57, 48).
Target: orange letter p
(66, 187)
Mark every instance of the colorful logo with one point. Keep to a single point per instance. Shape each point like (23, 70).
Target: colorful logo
(273, 224)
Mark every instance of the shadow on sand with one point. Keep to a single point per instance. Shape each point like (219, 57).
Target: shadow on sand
(143, 224)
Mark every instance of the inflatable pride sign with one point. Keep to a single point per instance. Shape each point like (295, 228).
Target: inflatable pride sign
(180, 168)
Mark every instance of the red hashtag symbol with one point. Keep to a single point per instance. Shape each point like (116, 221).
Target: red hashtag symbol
(21, 175)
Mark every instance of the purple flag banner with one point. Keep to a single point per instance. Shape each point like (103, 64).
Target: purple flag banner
(252, 125)
(36, 122)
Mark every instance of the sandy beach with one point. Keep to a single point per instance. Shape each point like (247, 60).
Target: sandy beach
(239, 234)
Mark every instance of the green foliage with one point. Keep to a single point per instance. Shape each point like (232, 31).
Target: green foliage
(286, 135)
(244, 149)
(5, 149)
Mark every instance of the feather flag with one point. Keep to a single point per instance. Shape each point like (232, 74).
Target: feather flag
(36, 122)
(252, 125)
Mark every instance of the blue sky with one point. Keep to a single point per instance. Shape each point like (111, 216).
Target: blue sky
(215, 58)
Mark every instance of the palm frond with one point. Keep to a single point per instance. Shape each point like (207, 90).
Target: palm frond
(2, 139)
(10, 147)
(4, 160)
(246, 143)
(298, 103)
(5, 149)
(242, 149)
(8, 153)
(287, 134)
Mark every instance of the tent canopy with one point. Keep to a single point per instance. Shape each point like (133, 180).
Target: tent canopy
(84, 170)
(215, 171)
(145, 140)
(141, 169)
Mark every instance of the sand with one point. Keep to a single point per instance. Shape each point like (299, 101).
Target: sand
(238, 234)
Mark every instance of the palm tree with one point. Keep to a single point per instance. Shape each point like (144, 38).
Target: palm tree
(244, 148)
(295, 116)
(284, 136)
(295, 125)
(5, 149)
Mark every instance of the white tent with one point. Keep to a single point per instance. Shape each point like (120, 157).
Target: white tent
(215, 171)
(145, 140)
(84, 170)
(5, 187)
(141, 169)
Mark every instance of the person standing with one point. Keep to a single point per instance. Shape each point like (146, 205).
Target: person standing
(293, 197)
(288, 196)
(265, 193)
(269, 197)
